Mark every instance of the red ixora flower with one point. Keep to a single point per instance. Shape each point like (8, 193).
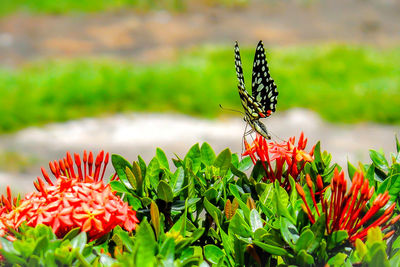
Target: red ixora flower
(77, 198)
(286, 154)
(347, 210)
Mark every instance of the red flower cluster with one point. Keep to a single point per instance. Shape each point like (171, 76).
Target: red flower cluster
(78, 198)
(346, 211)
(283, 153)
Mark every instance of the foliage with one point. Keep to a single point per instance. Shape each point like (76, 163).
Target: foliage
(361, 82)
(207, 210)
(68, 6)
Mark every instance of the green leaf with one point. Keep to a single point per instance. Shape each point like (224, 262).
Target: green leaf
(120, 164)
(207, 154)
(152, 173)
(213, 253)
(397, 144)
(235, 192)
(238, 173)
(361, 248)
(255, 220)
(178, 180)
(138, 176)
(339, 259)
(131, 178)
(281, 202)
(379, 160)
(167, 250)
(223, 161)
(211, 194)
(195, 156)
(164, 191)
(351, 169)
(162, 159)
(145, 245)
(79, 241)
(126, 240)
(71, 234)
(273, 250)
(239, 226)
(119, 187)
(304, 259)
(336, 238)
(305, 241)
(155, 218)
(215, 213)
(289, 232)
(318, 229)
(245, 164)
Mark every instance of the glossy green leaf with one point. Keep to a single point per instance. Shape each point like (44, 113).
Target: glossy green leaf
(119, 187)
(145, 245)
(152, 173)
(212, 210)
(142, 165)
(126, 240)
(245, 164)
(289, 232)
(194, 155)
(379, 160)
(238, 173)
(305, 241)
(131, 178)
(223, 161)
(273, 250)
(155, 218)
(136, 170)
(211, 194)
(213, 253)
(164, 191)
(351, 169)
(167, 251)
(239, 226)
(338, 260)
(336, 238)
(162, 158)
(207, 154)
(281, 202)
(255, 220)
(304, 259)
(235, 192)
(178, 180)
(120, 164)
(79, 241)
(71, 234)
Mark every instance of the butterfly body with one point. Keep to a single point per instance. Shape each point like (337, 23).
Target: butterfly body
(261, 103)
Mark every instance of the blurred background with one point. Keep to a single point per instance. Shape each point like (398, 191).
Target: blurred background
(128, 76)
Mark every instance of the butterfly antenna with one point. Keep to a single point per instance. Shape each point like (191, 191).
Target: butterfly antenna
(238, 111)
(280, 139)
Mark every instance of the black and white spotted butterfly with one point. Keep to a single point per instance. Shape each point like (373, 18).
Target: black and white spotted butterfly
(261, 103)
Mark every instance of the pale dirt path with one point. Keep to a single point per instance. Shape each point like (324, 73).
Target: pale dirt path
(139, 134)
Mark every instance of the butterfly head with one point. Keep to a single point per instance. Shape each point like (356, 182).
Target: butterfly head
(259, 127)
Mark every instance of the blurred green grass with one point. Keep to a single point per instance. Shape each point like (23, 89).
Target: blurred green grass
(343, 83)
(69, 6)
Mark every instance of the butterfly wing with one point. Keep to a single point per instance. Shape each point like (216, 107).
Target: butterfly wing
(264, 89)
(251, 107)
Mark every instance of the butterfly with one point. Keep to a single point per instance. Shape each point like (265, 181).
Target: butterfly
(262, 102)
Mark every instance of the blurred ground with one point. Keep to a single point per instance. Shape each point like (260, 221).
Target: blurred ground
(140, 134)
(159, 35)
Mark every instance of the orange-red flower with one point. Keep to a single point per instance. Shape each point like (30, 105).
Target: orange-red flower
(78, 198)
(347, 210)
(286, 154)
